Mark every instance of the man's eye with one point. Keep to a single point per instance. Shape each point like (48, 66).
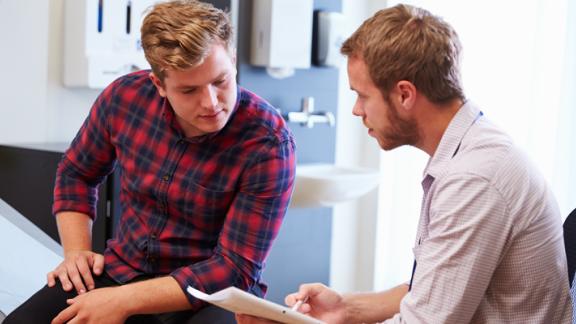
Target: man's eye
(219, 82)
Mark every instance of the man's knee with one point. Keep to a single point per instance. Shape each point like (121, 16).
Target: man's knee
(209, 314)
(42, 307)
(213, 314)
(19, 317)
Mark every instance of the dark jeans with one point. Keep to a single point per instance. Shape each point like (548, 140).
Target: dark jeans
(47, 303)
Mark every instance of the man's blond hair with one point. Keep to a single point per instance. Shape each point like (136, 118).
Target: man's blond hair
(408, 43)
(179, 34)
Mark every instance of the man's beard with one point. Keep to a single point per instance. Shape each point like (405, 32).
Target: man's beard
(400, 131)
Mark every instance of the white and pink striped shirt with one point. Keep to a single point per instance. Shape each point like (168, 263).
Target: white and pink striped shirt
(489, 247)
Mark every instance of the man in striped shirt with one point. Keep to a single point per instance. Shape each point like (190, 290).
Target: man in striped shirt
(489, 247)
(207, 170)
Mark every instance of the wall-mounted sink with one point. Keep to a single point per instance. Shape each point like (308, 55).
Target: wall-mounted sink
(324, 185)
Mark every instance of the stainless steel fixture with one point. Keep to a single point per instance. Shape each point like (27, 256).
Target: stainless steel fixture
(308, 117)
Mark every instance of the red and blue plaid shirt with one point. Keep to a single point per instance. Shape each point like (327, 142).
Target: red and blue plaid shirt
(204, 210)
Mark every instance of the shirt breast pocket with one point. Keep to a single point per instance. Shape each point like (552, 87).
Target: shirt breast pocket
(206, 208)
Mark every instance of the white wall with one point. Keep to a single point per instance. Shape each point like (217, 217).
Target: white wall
(24, 59)
(35, 107)
(354, 223)
(67, 107)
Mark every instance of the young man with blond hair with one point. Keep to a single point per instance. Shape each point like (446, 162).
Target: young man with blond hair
(489, 246)
(207, 170)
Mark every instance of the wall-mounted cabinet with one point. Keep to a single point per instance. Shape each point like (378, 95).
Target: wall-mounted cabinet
(102, 41)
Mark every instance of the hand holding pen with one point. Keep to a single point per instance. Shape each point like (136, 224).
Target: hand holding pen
(318, 301)
(299, 303)
(315, 300)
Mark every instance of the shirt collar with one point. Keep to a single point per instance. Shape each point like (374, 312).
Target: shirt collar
(450, 141)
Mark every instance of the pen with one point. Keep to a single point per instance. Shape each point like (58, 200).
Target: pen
(299, 303)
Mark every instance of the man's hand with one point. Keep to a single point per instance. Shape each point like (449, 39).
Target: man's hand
(322, 303)
(76, 271)
(103, 305)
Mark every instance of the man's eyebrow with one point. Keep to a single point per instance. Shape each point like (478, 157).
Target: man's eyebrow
(220, 76)
(356, 90)
(186, 87)
(193, 86)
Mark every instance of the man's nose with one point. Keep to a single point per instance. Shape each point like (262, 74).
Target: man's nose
(357, 110)
(209, 97)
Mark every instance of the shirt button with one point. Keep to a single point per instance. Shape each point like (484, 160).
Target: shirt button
(153, 236)
(166, 177)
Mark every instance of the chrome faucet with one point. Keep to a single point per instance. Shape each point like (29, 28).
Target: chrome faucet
(308, 117)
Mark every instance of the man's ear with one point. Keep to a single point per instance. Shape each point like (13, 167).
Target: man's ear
(158, 83)
(405, 94)
(233, 56)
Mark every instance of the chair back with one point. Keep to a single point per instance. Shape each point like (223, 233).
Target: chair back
(570, 244)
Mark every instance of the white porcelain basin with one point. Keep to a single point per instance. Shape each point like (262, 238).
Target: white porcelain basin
(320, 185)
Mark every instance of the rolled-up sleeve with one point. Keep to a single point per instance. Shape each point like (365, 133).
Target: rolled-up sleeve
(86, 163)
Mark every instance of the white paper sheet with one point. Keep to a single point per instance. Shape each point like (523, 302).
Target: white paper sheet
(238, 301)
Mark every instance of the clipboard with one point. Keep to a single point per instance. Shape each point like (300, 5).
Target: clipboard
(239, 301)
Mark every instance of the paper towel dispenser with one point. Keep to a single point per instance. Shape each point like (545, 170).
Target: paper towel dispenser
(282, 35)
(331, 33)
